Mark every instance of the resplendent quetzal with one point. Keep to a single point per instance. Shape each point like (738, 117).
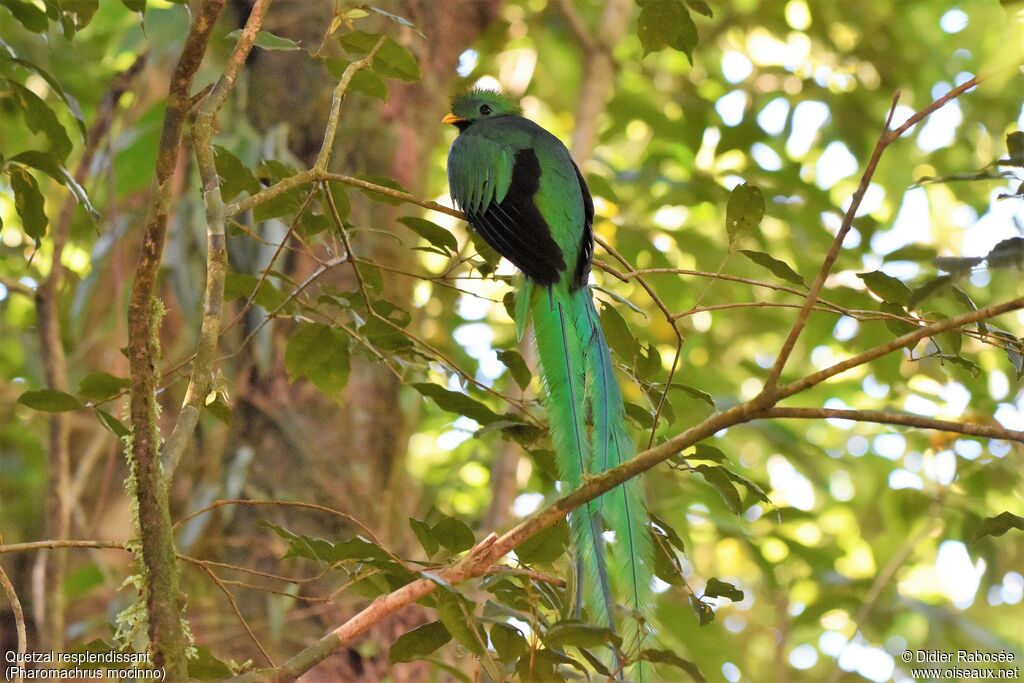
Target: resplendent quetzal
(526, 197)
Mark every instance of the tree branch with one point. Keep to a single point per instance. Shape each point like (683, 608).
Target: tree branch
(164, 601)
(903, 419)
(19, 618)
(900, 342)
(884, 140)
(216, 248)
(492, 549)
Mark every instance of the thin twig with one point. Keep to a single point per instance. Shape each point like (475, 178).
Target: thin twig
(216, 250)
(19, 619)
(59, 543)
(238, 613)
(902, 419)
(887, 137)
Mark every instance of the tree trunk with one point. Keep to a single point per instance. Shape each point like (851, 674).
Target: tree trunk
(353, 450)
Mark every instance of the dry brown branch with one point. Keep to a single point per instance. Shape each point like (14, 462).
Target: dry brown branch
(902, 419)
(19, 618)
(59, 543)
(887, 137)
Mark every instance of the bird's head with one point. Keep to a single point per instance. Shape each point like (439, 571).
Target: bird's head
(479, 105)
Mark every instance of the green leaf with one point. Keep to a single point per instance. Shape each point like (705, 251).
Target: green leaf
(671, 535)
(321, 354)
(928, 290)
(666, 564)
(453, 534)
(672, 659)
(886, 287)
(457, 402)
(717, 477)
(40, 119)
(28, 202)
(666, 23)
(696, 393)
(49, 401)
(949, 343)
(576, 633)
(998, 525)
(545, 546)
(98, 386)
(956, 265)
(1014, 349)
(705, 451)
(424, 535)
(1007, 254)
(76, 15)
(70, 102)
(617, 334)
(340, 196)
(778, 268)
(602, 187)
(383, 334)
(1015, 148)
(269, 41)
(717, 588)
(30, 16)
(431, 232)
(897, 327)
(235, 177)
(80, 582)
(136, 6)
(456, 615)
(911, 252)
(204, 666)
(700, 7)
(243, 285)
(705, 615)
(392, 60)
(516, 366)
(419, 642)
(48, 163)
(509, 642)
(112, 423)
(744, 212)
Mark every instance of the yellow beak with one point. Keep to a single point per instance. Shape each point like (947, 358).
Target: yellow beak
(452, 119)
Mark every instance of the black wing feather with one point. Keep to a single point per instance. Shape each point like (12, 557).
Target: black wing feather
(517, 230)
(586, 255)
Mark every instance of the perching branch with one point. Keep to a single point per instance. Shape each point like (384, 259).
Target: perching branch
(492, 549)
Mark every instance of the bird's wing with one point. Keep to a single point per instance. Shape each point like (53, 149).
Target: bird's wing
(495, 185)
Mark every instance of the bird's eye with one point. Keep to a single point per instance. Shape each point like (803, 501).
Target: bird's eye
(485, 109)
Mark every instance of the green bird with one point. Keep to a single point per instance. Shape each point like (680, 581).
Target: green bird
(526, 197)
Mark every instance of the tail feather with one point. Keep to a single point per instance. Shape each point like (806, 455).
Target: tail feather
(580, 379)
(623, 506)
(563, 359)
